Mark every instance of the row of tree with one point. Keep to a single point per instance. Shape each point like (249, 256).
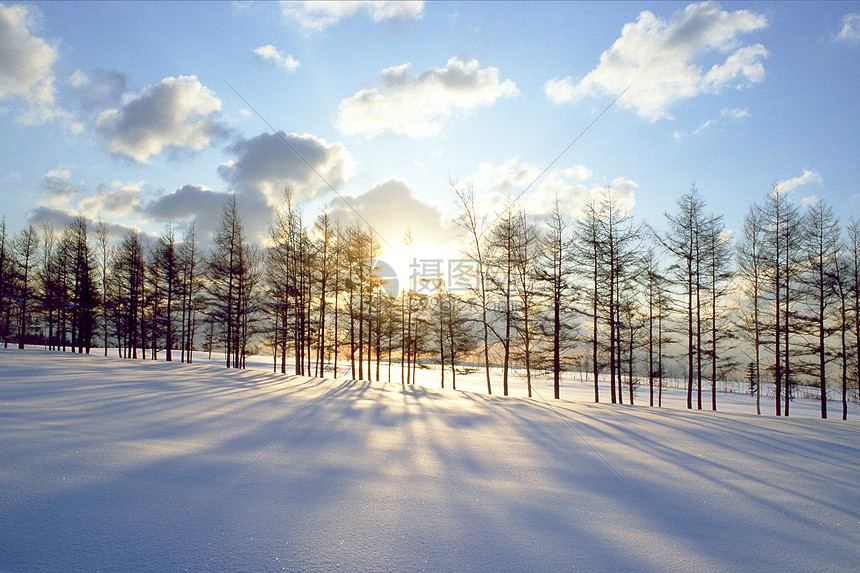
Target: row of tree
(600, 293)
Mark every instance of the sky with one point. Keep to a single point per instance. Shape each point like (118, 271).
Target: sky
(151, 114)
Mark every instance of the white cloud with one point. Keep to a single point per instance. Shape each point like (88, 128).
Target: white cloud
(661, 61)
(578, 173)
(176, 113)
(321, 15)
(26, 65)
(810, 201)
(514, 180)
(707, 124)
(117, 199)
(270, 53)
(850, 31)
(512, 176)
(391, 209)
(807, 177)
(727, 114)
(59, 174)
(266, 165)
(78, 79)
(735, 113)
(572, 194)
(419, 106)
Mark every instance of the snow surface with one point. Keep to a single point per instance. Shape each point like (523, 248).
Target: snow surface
(113, 465)
(579, 387)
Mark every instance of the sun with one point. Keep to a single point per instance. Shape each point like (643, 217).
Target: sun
(420, 272)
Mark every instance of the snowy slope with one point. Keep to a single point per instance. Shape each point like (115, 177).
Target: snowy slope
(142, 466)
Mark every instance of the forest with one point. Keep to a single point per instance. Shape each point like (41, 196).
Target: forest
(774, 304)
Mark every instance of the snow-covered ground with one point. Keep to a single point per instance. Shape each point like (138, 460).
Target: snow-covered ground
(579, 387)
(119, 465)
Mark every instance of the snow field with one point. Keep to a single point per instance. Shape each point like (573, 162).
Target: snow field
(579, 387)
(109, 465)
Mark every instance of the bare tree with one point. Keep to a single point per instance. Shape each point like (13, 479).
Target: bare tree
(473, 224)
(752, 264)
(5, 284)
(502, 267)
(617, 250)
(820, 249)
(26, 249)
(324, 270)
(842, 287)
(654, 286)
(103, 241)
(190, 290)
(84, 291)
(853, 271)
(46, 279)
(232, 284)
(782, 240)
(129, 266)
(338, 287)
(554, 271)
(526, 249)
(718, 275)
(587, 257)
(682, 241)
(166, 266)
(281, 280)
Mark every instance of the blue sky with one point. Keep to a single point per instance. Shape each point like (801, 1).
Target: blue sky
(127, 111)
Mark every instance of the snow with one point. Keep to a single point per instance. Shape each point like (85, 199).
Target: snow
(579, 387)
(109, 465)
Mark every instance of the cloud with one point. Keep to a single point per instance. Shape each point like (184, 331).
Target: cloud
(57, 188)
(26, 65)
(850, 32)
(204, 207)
(267, 165)
(117, 199)
(495, 184)
(392, 209)
(60, 218)
(735, 113)
(176, 113)
(270, 53)
(189, 203)
(706, 125)
(810, 201)
(572, 194)
(419, 106)
(320, 15)
(98, 89)
(805, 178)
(661, 61)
